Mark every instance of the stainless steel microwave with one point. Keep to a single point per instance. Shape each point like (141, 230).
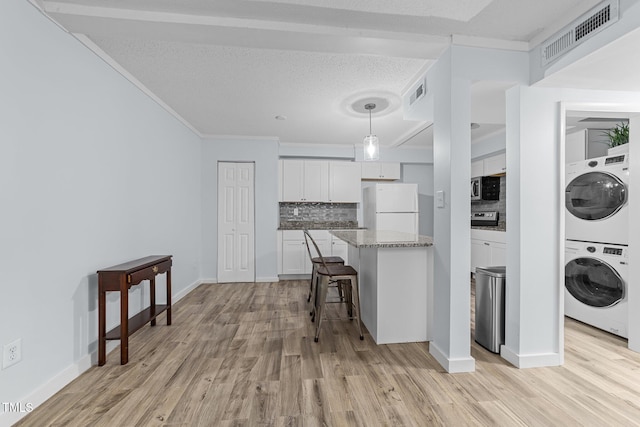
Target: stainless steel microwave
(485, 188)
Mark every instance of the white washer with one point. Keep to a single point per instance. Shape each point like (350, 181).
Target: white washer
(596, 200)
(596, 285)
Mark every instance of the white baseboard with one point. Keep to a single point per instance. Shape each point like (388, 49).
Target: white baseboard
(539, 360)
(185, 291)
(59, 381)
(267, 279)
(55, 384)
(452, 366)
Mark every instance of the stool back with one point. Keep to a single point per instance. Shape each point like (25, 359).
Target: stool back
(307, 237)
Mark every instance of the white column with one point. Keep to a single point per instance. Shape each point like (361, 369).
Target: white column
(452, 162)
(532, 318)
(634, 234)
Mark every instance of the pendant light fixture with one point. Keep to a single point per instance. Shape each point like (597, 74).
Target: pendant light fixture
(370, 142)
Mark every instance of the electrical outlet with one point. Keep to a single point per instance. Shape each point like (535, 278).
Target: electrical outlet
(12, 353)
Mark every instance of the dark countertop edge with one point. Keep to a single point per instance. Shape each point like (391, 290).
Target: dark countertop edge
(426, 241)
(320, 228)
(393, 245)
(488, 228)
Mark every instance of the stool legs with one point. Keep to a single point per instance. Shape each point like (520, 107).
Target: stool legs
(319, 309)
(351, 294)
(311, 282)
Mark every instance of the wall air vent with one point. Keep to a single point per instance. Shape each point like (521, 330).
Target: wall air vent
(589, 24)
(418, 92)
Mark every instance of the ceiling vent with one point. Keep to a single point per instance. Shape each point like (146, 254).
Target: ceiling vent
(418, 92)
(589, 24)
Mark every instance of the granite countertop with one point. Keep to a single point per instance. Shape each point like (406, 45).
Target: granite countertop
(502, 226)
(319, 225)
(382, 239)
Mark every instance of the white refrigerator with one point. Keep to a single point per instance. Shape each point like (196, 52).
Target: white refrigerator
(392, 207)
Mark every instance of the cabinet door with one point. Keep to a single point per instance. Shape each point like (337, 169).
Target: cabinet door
(480, 254)
(495, 164)
(340, 248)
(344, 182)
(316, 181)
(477, 168)
(498, 253)
(294, 257)
(370, 170)
(389, 171)
(293, 180)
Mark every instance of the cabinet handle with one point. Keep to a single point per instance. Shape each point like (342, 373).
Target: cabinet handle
(486, 244)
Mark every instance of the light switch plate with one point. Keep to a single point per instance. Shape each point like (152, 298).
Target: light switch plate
(440, 198)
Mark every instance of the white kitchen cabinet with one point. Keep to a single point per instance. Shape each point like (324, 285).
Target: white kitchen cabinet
(480, 254)
(477, 168)
(293, 256)
(380, 170)
(488, 248)
(493, 165)
(344, 182)
(340, 248)
(305, 181)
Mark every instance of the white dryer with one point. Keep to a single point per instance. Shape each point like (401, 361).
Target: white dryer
(596, 200)
(596, 285)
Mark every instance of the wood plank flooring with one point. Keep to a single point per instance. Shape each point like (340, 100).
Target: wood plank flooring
(244, 355)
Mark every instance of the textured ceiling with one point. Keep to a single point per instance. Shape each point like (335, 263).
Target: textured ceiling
(228, 67)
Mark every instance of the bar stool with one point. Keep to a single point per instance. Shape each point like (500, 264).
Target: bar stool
(347, 276)
(315, 262)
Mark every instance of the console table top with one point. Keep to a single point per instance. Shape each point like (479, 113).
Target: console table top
(137, 263)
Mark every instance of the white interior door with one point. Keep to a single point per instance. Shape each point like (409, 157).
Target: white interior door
(236, 236)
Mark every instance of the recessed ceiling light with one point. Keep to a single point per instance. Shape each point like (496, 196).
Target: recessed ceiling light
(281, 117)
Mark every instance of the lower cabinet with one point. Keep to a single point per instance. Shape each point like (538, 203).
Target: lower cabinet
(293, 257)
(488, 248)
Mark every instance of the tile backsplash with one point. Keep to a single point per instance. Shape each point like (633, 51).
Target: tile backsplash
(494, 205)
(318, 212)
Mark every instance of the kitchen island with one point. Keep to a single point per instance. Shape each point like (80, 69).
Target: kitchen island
(395, 271)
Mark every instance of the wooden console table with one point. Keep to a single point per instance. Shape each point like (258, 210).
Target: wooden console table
(120, 278)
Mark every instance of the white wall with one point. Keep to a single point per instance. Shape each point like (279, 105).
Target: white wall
(265, 155)
(422, 174)
(489, 146)
(535, 211)
(628, 22)
(92, 173)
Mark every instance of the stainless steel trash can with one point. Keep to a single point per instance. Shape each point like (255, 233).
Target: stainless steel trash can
(490, 282)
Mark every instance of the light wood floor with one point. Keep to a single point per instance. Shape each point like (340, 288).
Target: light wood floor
(243, 354)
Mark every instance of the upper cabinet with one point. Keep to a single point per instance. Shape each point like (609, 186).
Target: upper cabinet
(344, 182)
(305, 181)
(319, 181)
(477, 168)
(380, 170)
(494, 165)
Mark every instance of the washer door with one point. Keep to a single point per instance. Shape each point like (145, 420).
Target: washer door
(593, 282)
(595, 195)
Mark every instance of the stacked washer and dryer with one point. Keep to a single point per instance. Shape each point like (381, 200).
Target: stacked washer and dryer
(597, 224)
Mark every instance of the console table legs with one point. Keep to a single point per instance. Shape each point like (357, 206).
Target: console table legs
(120, 278)
(102, 325)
